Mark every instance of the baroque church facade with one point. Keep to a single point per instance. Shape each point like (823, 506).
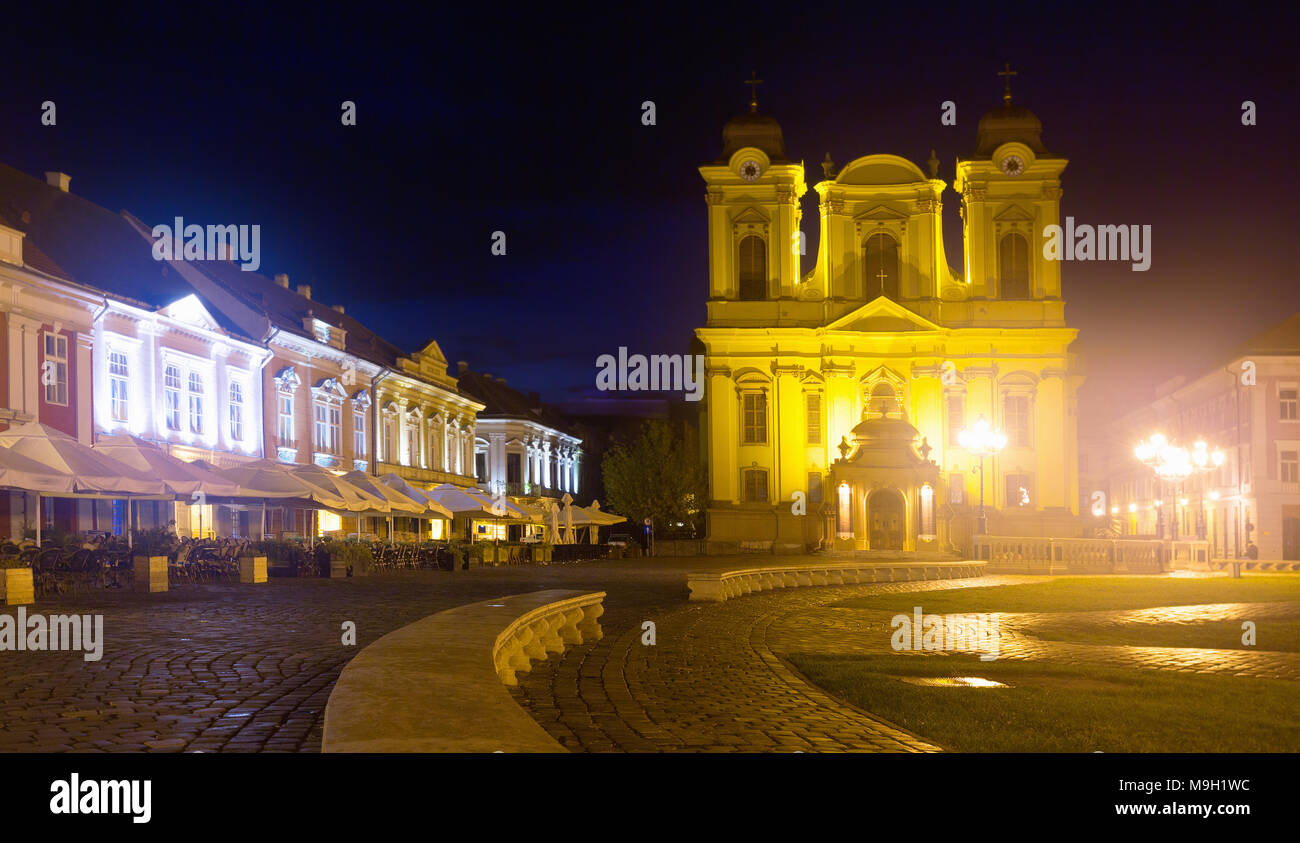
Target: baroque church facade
(835, 398)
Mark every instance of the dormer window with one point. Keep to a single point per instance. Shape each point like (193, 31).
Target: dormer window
(331, 335)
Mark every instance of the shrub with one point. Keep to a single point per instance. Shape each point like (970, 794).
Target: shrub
(356, 554)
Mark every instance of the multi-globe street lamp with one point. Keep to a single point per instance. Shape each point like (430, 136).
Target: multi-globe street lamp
(982, 440)
(1173, 463)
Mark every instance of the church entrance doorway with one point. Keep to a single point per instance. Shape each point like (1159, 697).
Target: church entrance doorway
(885, 514)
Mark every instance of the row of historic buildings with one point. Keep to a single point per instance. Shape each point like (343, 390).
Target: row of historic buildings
(225, 365)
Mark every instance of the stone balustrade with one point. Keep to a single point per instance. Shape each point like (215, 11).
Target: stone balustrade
(438, 685)
(1014, 554)
(718, 586)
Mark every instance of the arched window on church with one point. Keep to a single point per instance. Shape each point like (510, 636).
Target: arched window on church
(1013, 260)
(884, 399)
(881, 261)
(751, 259)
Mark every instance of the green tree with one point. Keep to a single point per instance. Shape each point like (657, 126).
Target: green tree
(655, 475)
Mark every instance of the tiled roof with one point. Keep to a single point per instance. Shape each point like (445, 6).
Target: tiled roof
(91, 245)
(502, 401)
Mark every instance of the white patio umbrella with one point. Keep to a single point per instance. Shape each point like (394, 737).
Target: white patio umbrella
(183, 478)
(356, 500)
(569, 537)
(553, 527)
(460, 502)
(501, 507)
(19, 472)
(398, 484)
(397, 500)
(90, 473)
(601, 517)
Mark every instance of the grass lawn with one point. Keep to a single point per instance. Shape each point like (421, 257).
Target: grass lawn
(1086, 594)
(1270, 634)
(1064, 708)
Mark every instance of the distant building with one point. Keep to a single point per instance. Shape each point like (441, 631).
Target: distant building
(1246, 407)
(523, 447)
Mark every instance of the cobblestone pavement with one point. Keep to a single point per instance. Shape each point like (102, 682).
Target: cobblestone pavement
(712, 682)
(839, 630)
(249, 668)
(245, 668)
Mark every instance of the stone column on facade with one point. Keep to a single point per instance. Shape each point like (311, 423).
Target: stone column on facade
(788, 436)
(496, 462)
(546, 465)
(527, 459)
(982, 400)
(723, 433)
(1055, 475)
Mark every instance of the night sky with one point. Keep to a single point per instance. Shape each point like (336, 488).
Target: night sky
(529, 122)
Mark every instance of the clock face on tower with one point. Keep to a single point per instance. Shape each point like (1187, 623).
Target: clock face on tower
(749, 170)
(1013, 165)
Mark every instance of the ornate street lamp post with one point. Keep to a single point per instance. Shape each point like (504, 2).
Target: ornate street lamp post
(1174, 464)
(981, 440)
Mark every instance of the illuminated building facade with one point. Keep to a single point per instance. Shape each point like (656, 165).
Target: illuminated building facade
(1247, 408)
(835, 397)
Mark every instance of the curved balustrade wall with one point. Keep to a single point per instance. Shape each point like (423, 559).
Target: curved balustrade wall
(718, 586)
(438, 685)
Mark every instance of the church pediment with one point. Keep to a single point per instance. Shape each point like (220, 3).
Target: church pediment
(881, 212)
(882, 315)
(1013, 213)
(750, 215)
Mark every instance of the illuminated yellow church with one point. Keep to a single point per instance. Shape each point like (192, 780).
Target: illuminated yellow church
(835, 399)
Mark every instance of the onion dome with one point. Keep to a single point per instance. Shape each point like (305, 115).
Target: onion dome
(1009, 123)
(756, 130)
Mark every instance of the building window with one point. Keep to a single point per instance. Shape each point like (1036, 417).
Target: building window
(755, 421)
(172, 396)
(358, 434)
(54, 374)
(1287, 401)
(813, 404)
(119, 380)
(1290, 469)
(956, 489)
(515, 472)
(956, 419)
(751, 262)
(285, 427)
(756, 485)
(927, 512)
(1015, 411)
(196, 402)
(881, 261)
(814, 487)
(480, 466)
(390, 439)
(328, 421)
(236, 412)
(1019, 490)
(412, 443)
(1013, 259)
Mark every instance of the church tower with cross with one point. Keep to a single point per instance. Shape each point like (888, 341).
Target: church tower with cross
(840, 380)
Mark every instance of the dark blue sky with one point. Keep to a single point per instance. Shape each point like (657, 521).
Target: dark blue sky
(528, 121)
